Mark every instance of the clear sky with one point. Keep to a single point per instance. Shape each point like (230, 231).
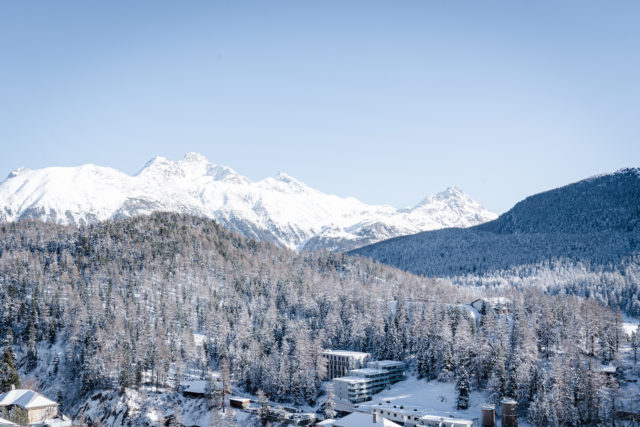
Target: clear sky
(385, 101)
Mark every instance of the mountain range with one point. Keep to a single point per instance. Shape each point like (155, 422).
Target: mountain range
(280, 209)
(594, 222)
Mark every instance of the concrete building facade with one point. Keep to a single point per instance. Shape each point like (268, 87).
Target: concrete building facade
(361, 384)
(340, 362)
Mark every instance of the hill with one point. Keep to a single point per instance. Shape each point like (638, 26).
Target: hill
(112, 317)
(594, 222)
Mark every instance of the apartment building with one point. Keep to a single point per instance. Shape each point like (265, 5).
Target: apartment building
(361, 384)
(340, 362)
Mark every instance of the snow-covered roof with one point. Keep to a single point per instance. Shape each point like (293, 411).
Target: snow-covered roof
(26, 399)
(608, 369)
(346, 353)
(6, 423)
(195, 387)
(357, 419)
(494, 300)
(351, 379)
(327, 422)
(439, 419)
(366, 371)
(385, 363)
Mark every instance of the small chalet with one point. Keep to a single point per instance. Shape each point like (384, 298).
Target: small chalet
(37, 407)
(239, 402)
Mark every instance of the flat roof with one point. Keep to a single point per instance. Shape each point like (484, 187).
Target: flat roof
(387, 363)
(367, 371)
(423, 414)
(346, 353)
(446, 419)
(351, 379)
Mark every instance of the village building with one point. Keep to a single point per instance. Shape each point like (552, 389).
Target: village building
(239, 402)
(413, 417)
(500, 305)
(364, 420)
(196, 388)
(37, 407)
(361, 384)
(340, 362)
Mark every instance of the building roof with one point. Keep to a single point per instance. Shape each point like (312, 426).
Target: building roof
(608, 369)
(357, 419)
(494, 301)
(195, 386)
(352, 379)
(423, 414)
(440, 419)
(26, 399)
(346, 353)
(388, 363)
(6, 423)
(365, 371)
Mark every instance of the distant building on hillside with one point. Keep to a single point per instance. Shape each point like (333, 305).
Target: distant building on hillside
(500, 305)
(340, 362)
(37, 409)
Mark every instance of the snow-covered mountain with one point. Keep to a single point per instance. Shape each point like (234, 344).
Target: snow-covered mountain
(280, 209)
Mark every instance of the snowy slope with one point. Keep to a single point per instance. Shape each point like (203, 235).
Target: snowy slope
(280, 209)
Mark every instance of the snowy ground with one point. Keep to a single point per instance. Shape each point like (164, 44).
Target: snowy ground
(433, 396)
(629, 325)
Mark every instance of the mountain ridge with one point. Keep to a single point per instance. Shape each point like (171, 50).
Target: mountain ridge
(278, 209)
(594, 221)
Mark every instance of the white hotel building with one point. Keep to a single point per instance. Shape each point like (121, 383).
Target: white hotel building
(340, 362)
(361, 384)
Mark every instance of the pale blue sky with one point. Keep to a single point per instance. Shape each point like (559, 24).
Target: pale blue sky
(385, 101)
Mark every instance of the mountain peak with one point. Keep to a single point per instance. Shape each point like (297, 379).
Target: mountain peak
(279, 209)
(192, 157)
(17, 172)
(452, 192)
(281, 176)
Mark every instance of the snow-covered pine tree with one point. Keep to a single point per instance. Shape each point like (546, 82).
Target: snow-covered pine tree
(463, 387)
(330, 404)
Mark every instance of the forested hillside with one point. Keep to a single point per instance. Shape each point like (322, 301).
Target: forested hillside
(117, 306)
(592, 227)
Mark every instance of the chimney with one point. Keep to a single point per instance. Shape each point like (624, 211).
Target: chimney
(375, 417)
(13, 387)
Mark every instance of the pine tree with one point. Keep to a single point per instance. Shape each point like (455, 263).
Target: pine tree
(635, 344)
(463, 387)
(225, 374)
(330, 404)
(264, 406)
(8, 373)
(59, 398)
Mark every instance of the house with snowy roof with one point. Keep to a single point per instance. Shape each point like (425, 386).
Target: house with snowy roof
(37, 407)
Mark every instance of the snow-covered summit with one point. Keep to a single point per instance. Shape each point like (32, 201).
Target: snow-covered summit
(279, 209)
